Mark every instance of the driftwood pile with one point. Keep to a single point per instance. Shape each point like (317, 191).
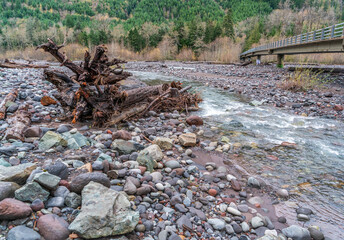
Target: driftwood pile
(94, 91)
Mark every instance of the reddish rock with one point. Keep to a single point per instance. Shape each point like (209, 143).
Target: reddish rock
(121, 134)
(288, 144)
(236, 185)
(64, 183)
(106, 166)
(179, 171)
(37, 205)
(212, 192)
(46, 101)
(272, 157)
(143, 169)
(53, 227)
(11, 209)
(80, 181)
(338, 108)
(33, 132)
(194, 120)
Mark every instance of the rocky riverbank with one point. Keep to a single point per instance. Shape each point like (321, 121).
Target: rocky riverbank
(166, 176)
(259, 84)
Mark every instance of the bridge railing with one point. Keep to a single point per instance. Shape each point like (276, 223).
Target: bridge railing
(331, 32)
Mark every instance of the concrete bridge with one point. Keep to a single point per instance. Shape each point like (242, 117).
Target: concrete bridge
(326, 40)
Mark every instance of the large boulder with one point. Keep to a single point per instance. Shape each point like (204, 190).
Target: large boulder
(104, 212)
(7, 189)
(123, 147)
(50, 140)
(23, 233)
(31, 191)
(164, 143)
(80, 181)
(150, 156)
(17, 174)
(53, 227)
(188, 139)
(11, 209)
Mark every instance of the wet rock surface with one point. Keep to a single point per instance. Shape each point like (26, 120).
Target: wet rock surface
(84, 183)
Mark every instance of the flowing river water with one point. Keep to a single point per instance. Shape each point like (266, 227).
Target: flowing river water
(312, 169)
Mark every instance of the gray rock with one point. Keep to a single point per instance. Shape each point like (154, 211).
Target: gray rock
(23, 233)
(7, 189)
(184, 220)
(104, 212)
(31, 191)
(47, 180)
(217, 224)
(55, 202)
(129, 187)
(257, 222)
(229, 229)
(58, 169)
(256, 200)
(123, 147)
(296, 233)
(61, 191)
(17, 174)
(73, 200)
(316, 234)
(50, 140)
(8, 150)
(150, 156)
(283, 193)
(252, 182)
(80, 181)
(172, 164)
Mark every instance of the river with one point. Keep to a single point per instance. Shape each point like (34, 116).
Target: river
(312, 169)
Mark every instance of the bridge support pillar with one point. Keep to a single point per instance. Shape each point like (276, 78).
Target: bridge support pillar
(259, 58)
(280, 59)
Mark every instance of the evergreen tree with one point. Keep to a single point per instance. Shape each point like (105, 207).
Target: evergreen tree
(228, 25)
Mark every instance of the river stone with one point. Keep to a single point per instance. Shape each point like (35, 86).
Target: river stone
(233, 211)
(8, 150)
(315, 233)
(187, 139)
(34, 131)
(217, 224)
(172, 164)
(256, 200)
(47, 180)
(75, 140)
(55, 202)
(4, 163)
(31, 191)
(150, 156)
(296, 233)
(50, 140)
(194, 120)
(164, 143)
(123, 147)
(252, 182)
(58, 169)
(102, 157)
(257, 222)
(23, 233)
(17, 174)
(80, 181)
(73, 200)
(7, 189)
(104, 212)
(53, 227)
(11, 209)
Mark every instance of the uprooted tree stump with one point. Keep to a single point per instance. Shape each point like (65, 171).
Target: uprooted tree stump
(94, 91)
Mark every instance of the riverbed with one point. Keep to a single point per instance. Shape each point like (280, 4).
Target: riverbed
(302, 154)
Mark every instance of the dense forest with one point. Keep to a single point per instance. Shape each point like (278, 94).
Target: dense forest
(143, 24)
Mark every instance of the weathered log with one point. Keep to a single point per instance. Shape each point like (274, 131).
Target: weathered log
(18, 123)
(134, 110)
(11, 97)
(9, 64)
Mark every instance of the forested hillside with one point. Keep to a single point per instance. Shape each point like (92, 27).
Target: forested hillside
(141, 25)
